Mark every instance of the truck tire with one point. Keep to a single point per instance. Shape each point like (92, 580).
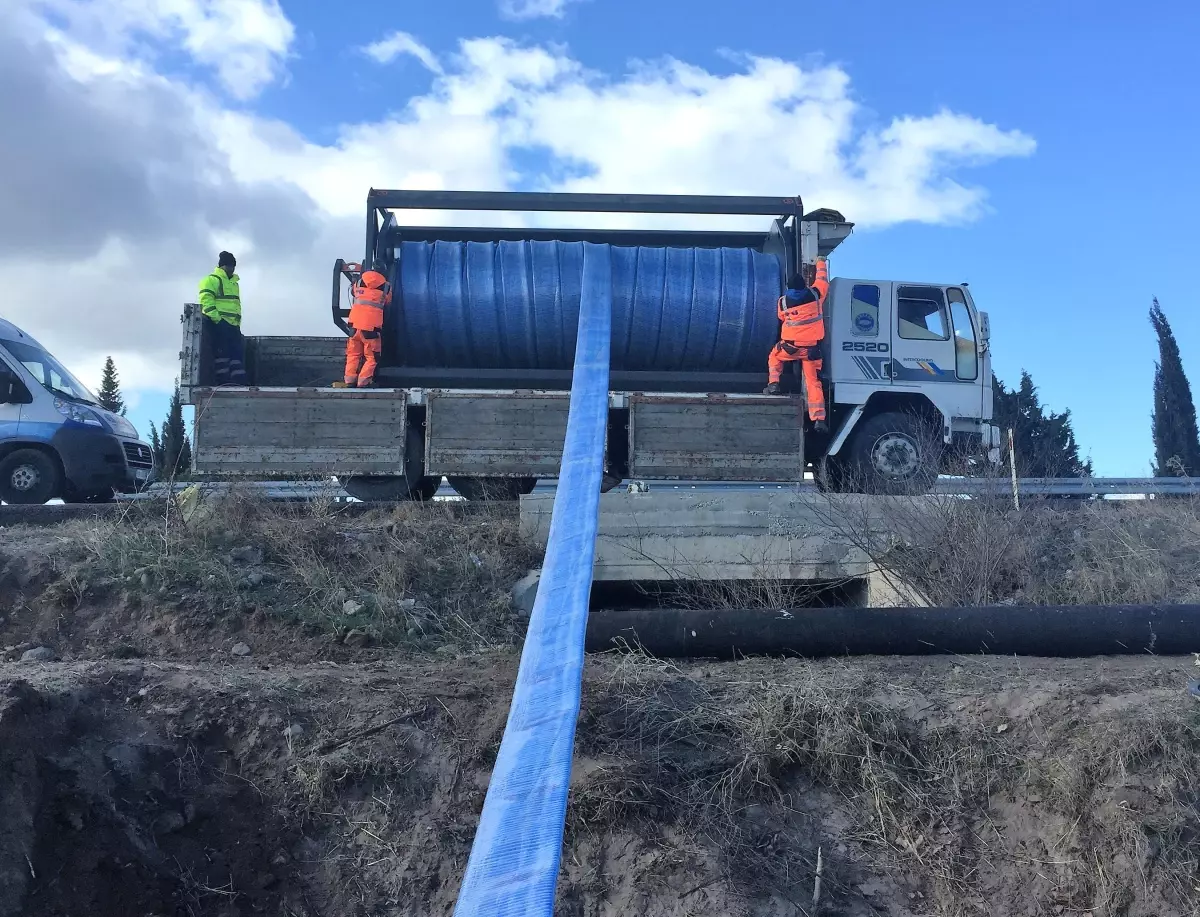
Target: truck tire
(29, 477)
(389, 488)
(477, 489)
(412, 485)
(830, 474)
(894, 453)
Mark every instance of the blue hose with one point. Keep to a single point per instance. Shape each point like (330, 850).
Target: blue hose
(515, 305)
(513, 867)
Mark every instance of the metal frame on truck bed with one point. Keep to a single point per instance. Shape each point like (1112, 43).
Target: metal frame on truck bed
(793, 238)
(494, 431)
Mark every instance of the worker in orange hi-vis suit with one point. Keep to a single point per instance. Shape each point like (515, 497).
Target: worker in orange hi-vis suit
(802, 311)
(371, 294)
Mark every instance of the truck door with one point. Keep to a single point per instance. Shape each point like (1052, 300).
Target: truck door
(923, 339)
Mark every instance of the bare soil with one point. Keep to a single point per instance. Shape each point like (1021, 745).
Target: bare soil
(339, 767)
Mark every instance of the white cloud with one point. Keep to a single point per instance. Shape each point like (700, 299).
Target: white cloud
(244, 41)
(388, 49)
(534, 9)
(143, 229)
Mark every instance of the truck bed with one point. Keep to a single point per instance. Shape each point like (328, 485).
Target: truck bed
(497, 433)
(434, 422)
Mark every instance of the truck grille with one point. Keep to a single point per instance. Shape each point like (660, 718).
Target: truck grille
(139, 455)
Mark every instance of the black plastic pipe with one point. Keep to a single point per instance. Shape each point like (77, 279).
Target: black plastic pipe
(1059, 630)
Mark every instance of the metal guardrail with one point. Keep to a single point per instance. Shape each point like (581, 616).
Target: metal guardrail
(1082, 487)
(1070, 486)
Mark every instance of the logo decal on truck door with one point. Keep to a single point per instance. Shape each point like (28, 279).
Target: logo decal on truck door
(874, 367)
(864, 322)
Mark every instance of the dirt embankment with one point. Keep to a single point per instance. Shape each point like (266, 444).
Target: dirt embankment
(929, 787)
(292, 713)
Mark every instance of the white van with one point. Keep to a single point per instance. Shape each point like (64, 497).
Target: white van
(55, 438)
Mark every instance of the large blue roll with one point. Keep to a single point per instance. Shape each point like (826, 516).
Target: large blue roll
(515, 305)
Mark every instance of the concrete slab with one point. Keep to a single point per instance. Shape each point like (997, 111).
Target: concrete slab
(664, 536)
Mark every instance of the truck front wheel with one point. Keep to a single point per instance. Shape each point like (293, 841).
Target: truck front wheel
(29, 477)
(894, 453)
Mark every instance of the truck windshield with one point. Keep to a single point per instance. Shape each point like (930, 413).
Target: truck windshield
(50, 373)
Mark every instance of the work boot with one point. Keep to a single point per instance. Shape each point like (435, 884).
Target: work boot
(771, 389)
(820, 426)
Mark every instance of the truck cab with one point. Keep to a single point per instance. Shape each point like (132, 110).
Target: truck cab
(919, 349)
(56, 440)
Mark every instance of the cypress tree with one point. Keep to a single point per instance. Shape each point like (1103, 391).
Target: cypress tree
(110, 389)
(156, 446)
(176, 449)
(1173, 424)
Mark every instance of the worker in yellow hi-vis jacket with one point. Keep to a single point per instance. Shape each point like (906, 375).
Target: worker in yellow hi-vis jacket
(221, 303)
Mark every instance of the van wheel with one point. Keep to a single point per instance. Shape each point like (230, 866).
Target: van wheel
(29, 477)
(895, 453)
(475, 489)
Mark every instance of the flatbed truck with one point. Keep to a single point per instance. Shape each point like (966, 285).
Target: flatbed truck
(907, 368)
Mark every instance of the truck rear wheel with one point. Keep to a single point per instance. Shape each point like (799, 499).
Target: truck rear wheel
(476, 489)
(29, 477)
(894, 453)
(391, 489)
(412, 485)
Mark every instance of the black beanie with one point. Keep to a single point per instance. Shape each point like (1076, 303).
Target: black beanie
(225, 258)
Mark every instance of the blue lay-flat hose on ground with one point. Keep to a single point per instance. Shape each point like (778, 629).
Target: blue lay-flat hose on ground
(513, 867)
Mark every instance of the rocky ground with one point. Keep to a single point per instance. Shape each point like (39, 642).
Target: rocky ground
(241, 710)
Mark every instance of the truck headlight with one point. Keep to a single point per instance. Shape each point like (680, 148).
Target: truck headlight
(77, 413)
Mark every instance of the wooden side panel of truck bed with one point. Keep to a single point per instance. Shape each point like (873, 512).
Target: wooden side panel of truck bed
(502, 434)
(715, 438)
(300, 431)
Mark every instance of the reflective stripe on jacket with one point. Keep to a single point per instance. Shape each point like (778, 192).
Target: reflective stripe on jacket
(221, 298)
(371, 295)
(803, 312)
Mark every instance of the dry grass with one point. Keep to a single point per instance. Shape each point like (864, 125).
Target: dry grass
(949, 551)
(756, 769)
(419, 573)
(735, 763)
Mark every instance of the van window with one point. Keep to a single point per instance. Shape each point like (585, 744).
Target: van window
(921, 314)
(864, 310)
(966, 356)
(53, 376)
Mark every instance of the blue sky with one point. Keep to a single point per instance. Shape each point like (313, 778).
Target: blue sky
(1064, 244)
